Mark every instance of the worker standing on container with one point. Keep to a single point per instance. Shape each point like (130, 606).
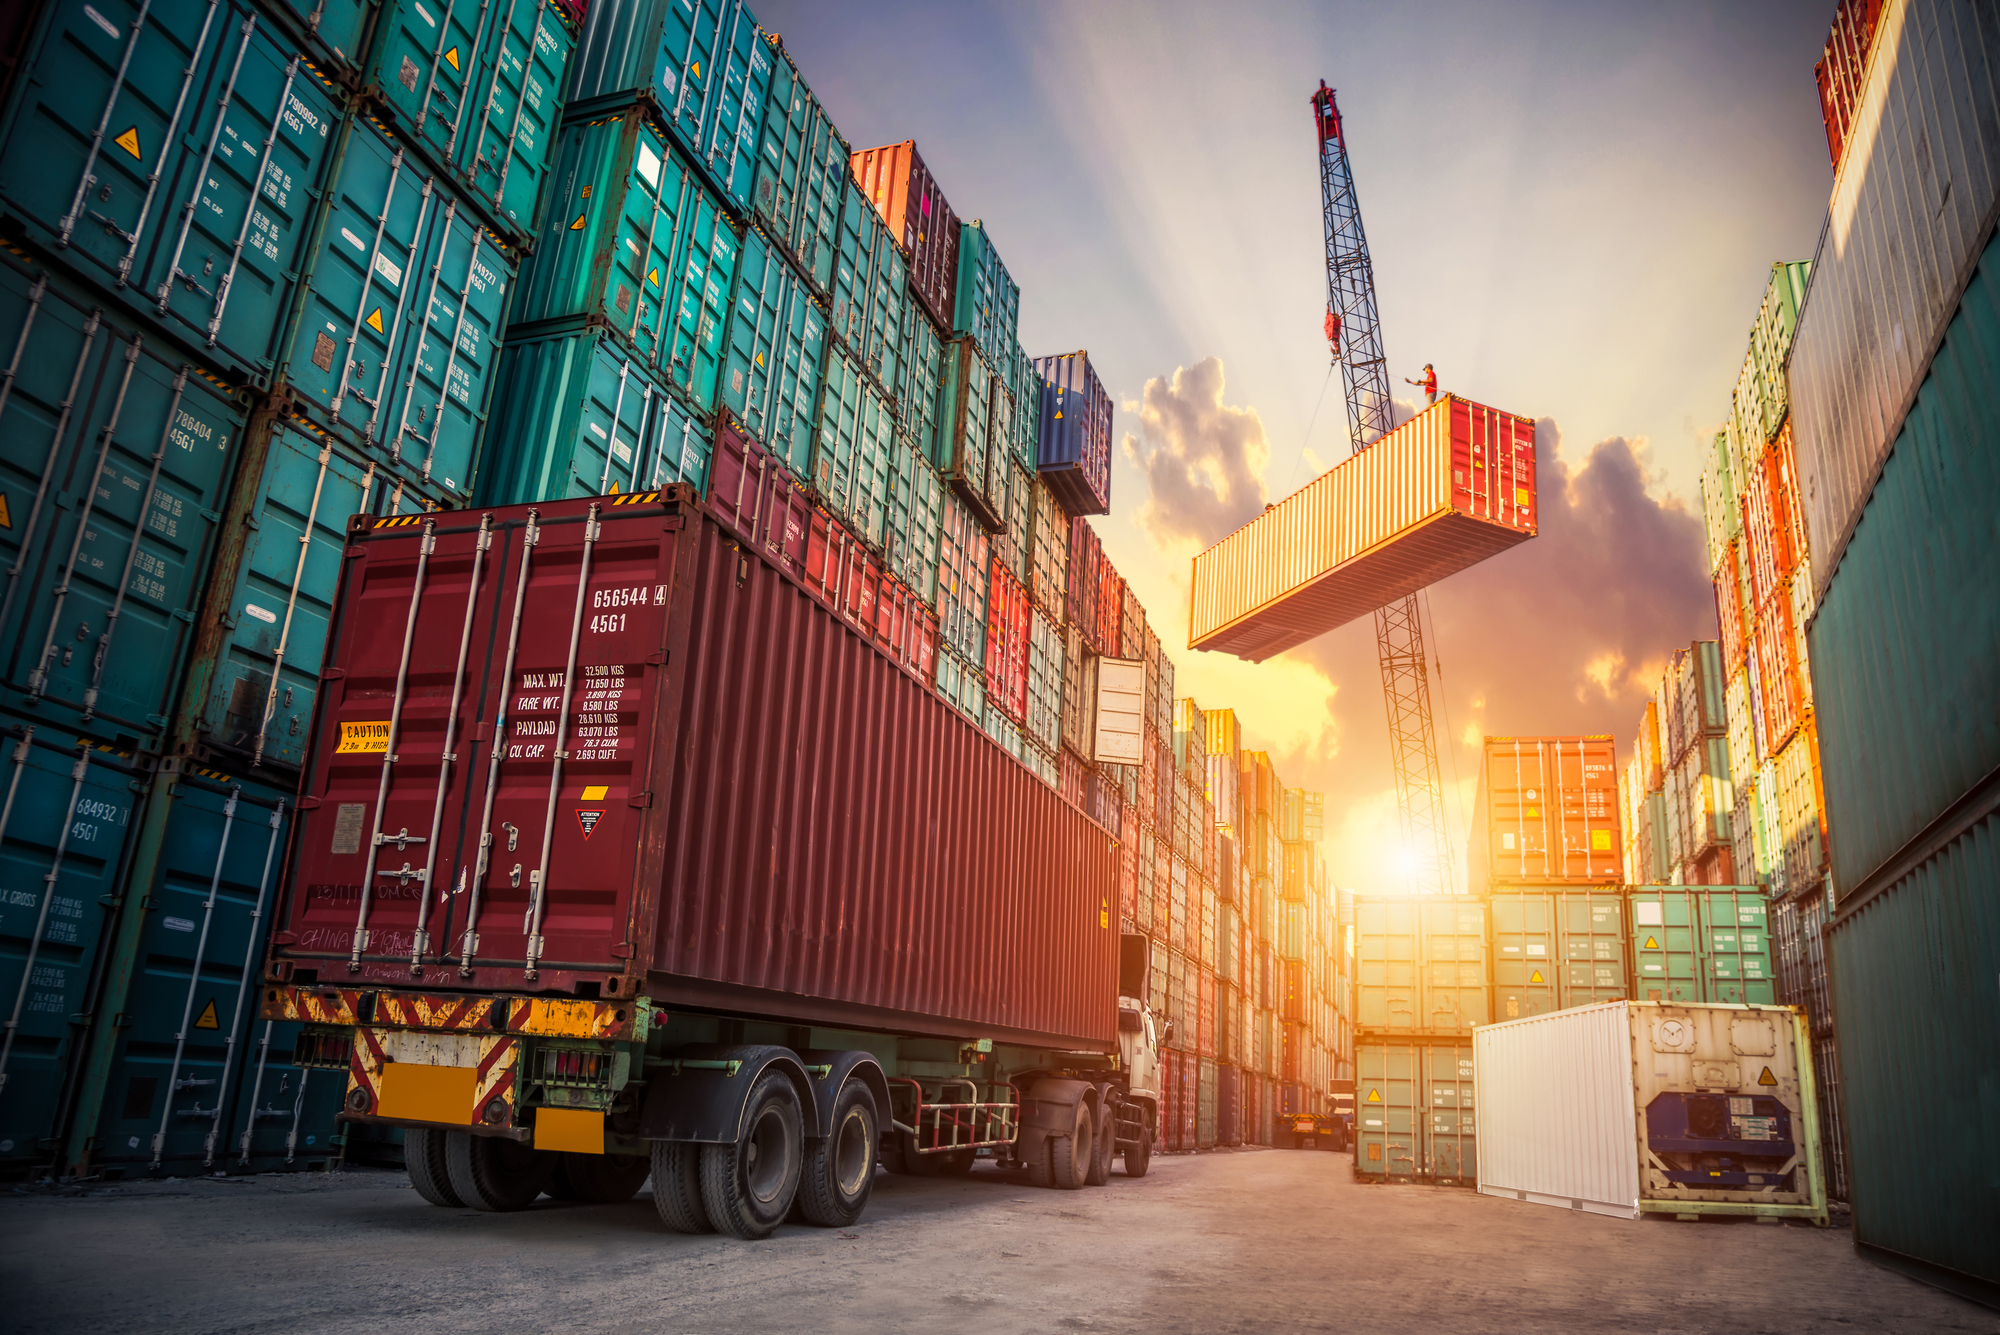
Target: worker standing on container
(1429, 384)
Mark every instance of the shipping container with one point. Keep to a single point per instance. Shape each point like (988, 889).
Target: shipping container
(1636, 1108)
(638, 242)
(1546, 812)
(1842, 67)
(477, 92)
(1086, 567)
(919, 389)
(986, 301)
(1444, 491)
(1702, 943)
(1702, 798)
(336, 31)
(916, 519)
(1073, 436)
(967, 457)
(1421, 965)
(1415, 1111)
(801, 172)
(757, 498)
(901, 189)
(774, 349)
(579, 414)
(175, 158)
(854, 447)
(880, 338)
(1720, 514)
(1894, 259)
(704, 63)
(964, 562)
(1008, 622)
(1556, 949)
(1697, 714)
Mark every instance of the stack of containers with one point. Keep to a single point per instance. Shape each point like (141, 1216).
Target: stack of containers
(263, 267)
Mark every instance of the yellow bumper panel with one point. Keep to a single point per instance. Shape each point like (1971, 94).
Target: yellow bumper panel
(577, 1130)
(429, 1093)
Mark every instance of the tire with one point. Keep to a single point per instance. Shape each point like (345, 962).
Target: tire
(1107, 1139)
(492, 1174)
(839, 1171)
(423, 1156)
(677, 1186)
(1040, 1174)
(748, 1186)
(1140, 1157)
(1070, 1156)
(599, 1179)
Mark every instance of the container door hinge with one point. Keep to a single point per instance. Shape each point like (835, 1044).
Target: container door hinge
(332, 674)
(158, 720)
(183, 614)
(310, 803)
(622, 951)
(660, 657)
(212, 516)
(642, 800)
(121, 1021)
(671, 524)
(284, 938)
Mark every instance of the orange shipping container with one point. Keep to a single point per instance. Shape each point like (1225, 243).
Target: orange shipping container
(1547, 813)
(1729, 613)
(1447, 489)
(1778, 671)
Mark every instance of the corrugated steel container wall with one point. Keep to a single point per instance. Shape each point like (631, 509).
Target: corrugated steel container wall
(1556, 949)
(1702, 944)
(1073, 437)
(901, 188)
(578, 415)
(964, 558)
(1131, 626)
(1903, 714)
(1649, 747)
(1447, 489)
(1556, 1111)
(801, 177)
(854, 447)
(1025, 384)
(704, 63)
(964, 418)
(1703, 798)
(773, 352)
(986, 301)
(985, 890)
(1208, 1113)
(1719, 511)
(1799, 846)
(72, 812)
(1045, 681)
(116, 456)
(1008, 621)
(336, 30)
(1015, 542)
(1086, 569)
(1414, 1107)
(1777, 321)
(1895, 252)
(477, 98)
(1048, 576)
(757, 498)
(916, 520)
(1079, 697)
(1777, 671)
(1699, 700)
(1842, 68)
(1547, 812)
(1730, 612)
(655, 257)
(1798, 948)
(1225, 763)
(1421, 965)
(174, 156)
(881, 339)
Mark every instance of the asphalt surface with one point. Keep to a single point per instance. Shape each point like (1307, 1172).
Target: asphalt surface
(1246, 1241)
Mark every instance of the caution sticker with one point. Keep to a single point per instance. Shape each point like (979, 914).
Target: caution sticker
(129, 141)
(588, 820)
(6, 519)
(375, 319)
(207, 1020)
(596, 793)
(373, 736)
(1374, 1096)
(1767, 1078)
(1651, 944)
(452, 56)
(1536, 977)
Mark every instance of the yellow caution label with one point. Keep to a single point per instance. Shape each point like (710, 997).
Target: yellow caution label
(129, 141)
(375, 319)
(1765, 1079)
(452, 57)
(653, 277)
(695, 69)
(614, 488)
(372, 736)
(3, 499)
(596, 793)
(577, 226)
(1520, 496)
(1374, 1096)
(1536, 977)
(207, 1020)
(1103, 914)
(6, 519)
(1651, 944)
(1600, 841)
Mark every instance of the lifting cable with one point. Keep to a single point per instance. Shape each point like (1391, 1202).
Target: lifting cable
(1311, 422)
(1444, 704)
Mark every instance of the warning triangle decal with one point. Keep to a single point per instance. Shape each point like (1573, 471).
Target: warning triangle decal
(653, 277)
(1767, 1078)
(129, 141)
(1536, 977)
(6, 519)
(577, 226)
(452, 56)
(588, 820)
(1651, 944)
(375, 319)
(1374, 1096)
(207, 1018)
(695, 69)
(614, 488)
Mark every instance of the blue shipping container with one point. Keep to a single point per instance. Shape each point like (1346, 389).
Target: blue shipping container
(174, 155)
(1073, 442)
(776, 346)
(114, 459)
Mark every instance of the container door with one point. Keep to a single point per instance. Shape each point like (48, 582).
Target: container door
(704, 275)
(1665, 940)
(1455, 992)
(1593, 942)
(432, 62)
(1525, 955)
(506, 154)
(1449, 1152)
(1387, 1108)
(1387, 976)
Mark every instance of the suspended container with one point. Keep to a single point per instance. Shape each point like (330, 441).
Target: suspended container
(900, 188)
(704, 63)
(637, 242)
(1444, 491)
(175, 157)
(1073, 433)
(801, 179)
(580, 415)
(116, 454)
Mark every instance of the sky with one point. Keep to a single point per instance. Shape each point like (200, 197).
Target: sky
(1572, 211)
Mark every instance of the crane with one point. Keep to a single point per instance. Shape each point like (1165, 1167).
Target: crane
(1354, 334)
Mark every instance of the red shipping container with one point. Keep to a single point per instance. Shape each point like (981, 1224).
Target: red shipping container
(1086, 571)
(702, 786)
(1073, 780)
(1842, 66)
(1778, 671)
(1729, 613)
(1110, 608)
(1547, 813)
(902, 190)
(1008, 618)
(1786, 478)
(753, 496)
(1163, 890)
(1128, 868)
(1204, 1042)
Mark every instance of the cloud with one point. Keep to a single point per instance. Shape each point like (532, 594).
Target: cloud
(1203, 461)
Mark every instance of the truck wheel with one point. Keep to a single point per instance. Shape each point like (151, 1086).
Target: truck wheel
(489, 1173)
(677, 1186)
(423, 1156)
(1139, 1157)
(839, 1171)
(748, 1186)
(1070, 1156)
(600, 1179)
(1107, 1139)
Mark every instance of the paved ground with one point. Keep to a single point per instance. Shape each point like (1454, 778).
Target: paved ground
(1250, 1241)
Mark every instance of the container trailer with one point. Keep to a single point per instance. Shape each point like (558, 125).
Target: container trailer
(620, 852)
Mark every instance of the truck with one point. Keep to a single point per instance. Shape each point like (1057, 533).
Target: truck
(633, 842)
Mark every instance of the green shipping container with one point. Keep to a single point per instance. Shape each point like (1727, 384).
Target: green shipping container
(1413, 1111)
(854, 448)
(919, 385)
(637, 241)
(579, 415)
(776, 347)
(337, 29)
(174, 155)
(477, 90)
(916, 517)
(965, 419)
(1702, 943)
(1554, 949)
(1027, 391)
(870, 287)
(1420, 965)
(987, 304)
(802, 173)
(400, 321)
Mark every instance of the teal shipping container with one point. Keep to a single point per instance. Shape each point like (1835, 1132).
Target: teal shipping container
(185, 1094)
(704, 63)
(174, 155)
(1702, 943)
(965, 419)
(579, 415)
(66, 825)
(253, 667)
(337, 30)
(919, 385)
(1413, 1111)
(854, 445)
(399, 326)
(115, 456)
(477, 91)
(987, 304)
(636, 242)
(802, 173)
(916, 517)
(1553, 949)
(870, 286)
(1027, 391)
(1420, 965)
(775, 348)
